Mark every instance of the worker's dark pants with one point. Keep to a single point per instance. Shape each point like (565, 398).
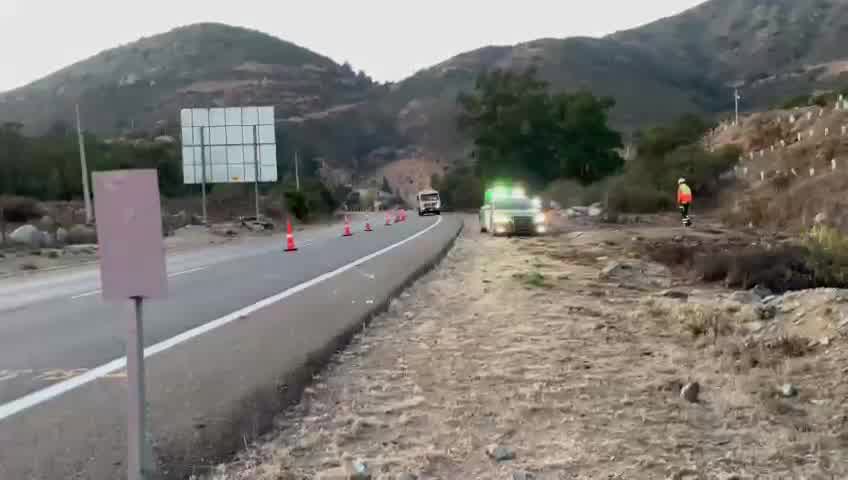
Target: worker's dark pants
(684, 210)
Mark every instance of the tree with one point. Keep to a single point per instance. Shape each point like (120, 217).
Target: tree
(520, 130)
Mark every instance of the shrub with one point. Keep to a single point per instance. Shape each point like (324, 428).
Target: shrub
(827, 254)
(21, 209)
(638, 198)
(297, 205)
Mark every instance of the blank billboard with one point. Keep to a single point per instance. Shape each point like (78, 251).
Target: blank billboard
(227, 141)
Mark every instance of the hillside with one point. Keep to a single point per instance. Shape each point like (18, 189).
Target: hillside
(145, 83)
(794, 167)
(772, 49)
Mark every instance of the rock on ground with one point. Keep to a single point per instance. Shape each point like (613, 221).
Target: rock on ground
(81, 234)
(690, 392)
(27, 235)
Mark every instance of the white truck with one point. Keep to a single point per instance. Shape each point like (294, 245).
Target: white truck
(429, 202)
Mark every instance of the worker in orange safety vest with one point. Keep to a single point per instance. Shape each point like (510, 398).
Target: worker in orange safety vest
(684, 200)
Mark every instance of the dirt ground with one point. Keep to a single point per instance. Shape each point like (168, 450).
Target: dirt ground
(564, 358)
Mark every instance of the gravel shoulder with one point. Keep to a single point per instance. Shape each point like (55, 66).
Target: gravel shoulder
(569, 357)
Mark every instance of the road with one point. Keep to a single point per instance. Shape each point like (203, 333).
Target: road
(243, 329)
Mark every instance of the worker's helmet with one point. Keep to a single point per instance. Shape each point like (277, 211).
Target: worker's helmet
(681, 181)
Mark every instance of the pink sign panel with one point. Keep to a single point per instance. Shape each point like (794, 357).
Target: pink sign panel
(129, 231)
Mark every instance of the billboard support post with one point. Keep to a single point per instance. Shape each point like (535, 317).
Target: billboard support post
(203, 175)
(256, 168)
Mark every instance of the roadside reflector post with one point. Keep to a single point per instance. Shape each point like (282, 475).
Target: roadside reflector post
(132, 267)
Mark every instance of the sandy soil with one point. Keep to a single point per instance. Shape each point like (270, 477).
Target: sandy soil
(568, 353)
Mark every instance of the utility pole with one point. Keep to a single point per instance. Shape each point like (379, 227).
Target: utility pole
(736, 98)
(85, 192)
(296, 171)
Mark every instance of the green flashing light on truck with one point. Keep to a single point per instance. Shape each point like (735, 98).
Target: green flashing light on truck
(508, 211)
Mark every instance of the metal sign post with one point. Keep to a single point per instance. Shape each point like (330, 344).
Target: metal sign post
(138, 461)
(132, 267)
(256, 168)
(203, 174)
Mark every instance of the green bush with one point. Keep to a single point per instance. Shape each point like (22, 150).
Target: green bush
(297, 205)
(796, 102)
(638, 197)
(827, 256)
(665, 154)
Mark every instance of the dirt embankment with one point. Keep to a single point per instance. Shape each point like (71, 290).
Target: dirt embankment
(574, 357)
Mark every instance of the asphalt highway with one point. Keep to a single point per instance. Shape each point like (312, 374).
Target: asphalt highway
(243, 329)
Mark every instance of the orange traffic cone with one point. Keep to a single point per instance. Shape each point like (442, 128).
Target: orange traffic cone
(368, 226)
(397, 216)
(403, 215)
(290, 247)
(347, 232)
(388, 219)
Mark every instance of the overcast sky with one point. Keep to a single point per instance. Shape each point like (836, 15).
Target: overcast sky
(388, 39)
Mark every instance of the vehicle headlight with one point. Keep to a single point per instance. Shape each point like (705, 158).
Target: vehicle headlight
(539, 218)
(500, 218)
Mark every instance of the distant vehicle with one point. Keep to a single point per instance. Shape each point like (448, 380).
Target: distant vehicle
(429, 202)
(508, 211)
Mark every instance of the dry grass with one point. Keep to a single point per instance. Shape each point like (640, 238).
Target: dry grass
(578, 385)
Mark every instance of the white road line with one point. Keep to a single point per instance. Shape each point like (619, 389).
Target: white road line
(57, 389)
(177, 274)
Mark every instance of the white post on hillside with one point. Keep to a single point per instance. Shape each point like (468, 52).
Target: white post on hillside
(84, 167)
(736, 99)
